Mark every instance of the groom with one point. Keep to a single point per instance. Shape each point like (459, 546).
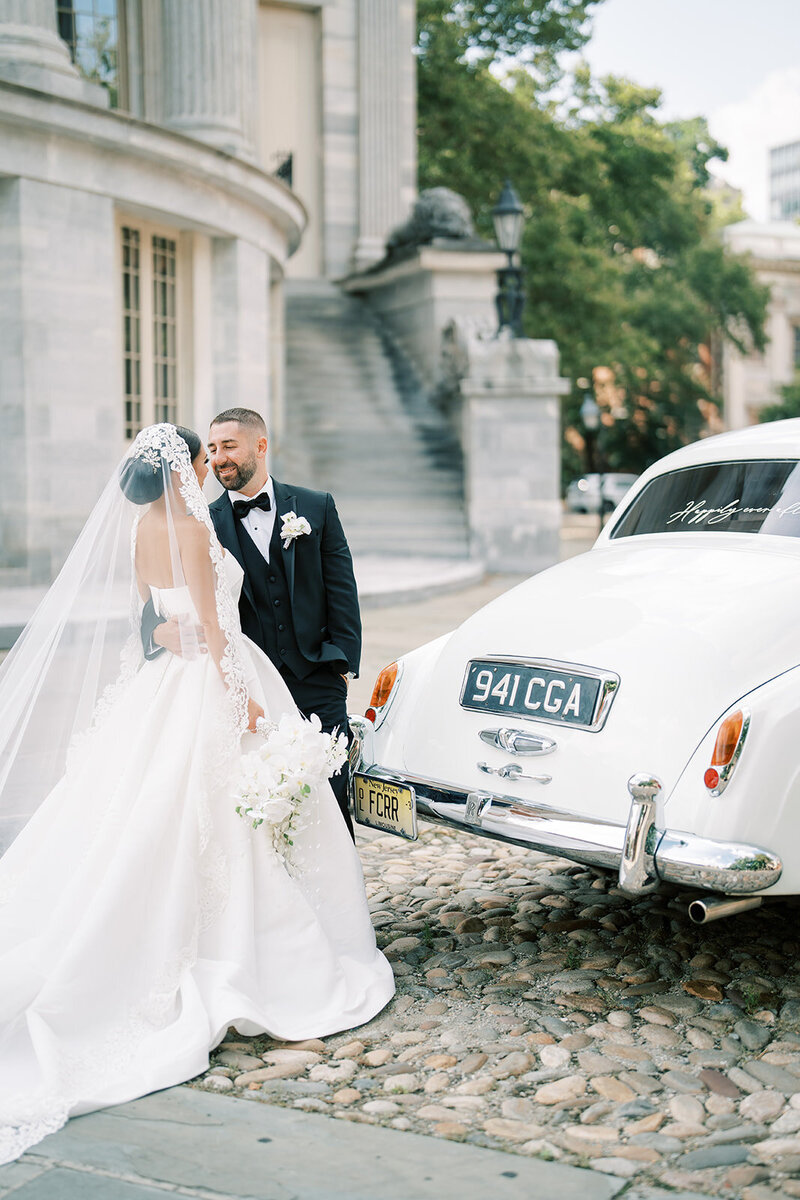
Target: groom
(299, 601)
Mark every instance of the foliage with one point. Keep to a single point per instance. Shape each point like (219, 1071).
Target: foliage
(788, 406)
(624, 266)
(532, 31)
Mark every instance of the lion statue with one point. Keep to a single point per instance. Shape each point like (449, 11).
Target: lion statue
(438, 213)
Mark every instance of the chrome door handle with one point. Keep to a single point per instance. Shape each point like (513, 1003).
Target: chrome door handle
(512, 771)
(518, 741)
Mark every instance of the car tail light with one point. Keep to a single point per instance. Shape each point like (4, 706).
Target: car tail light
(727, 739)
(731, 737)
(382, 693)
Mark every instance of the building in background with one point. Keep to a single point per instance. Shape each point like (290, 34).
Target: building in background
(164, 166)
(753, 380)
(784, 182)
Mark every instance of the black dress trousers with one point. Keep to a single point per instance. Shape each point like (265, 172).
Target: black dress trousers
(324, 692)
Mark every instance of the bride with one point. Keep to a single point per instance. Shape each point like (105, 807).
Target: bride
(140, 916)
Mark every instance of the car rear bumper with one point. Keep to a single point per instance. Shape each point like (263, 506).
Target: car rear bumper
(643, 854)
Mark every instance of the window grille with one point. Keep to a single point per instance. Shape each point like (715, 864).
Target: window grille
(165, 348)
(151, 368)
(132, 330)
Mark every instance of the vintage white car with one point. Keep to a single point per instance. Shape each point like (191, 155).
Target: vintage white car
(636, 707)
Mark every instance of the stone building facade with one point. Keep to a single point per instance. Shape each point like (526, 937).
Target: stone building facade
(753, 380)
(784, 182)
(150, 214)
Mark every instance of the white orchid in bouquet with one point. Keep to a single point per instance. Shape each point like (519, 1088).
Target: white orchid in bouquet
(294, 757)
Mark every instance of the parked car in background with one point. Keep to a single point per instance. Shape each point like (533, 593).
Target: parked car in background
(635, 708)
(583, 495)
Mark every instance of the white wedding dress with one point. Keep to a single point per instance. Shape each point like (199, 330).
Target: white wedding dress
(138, 922)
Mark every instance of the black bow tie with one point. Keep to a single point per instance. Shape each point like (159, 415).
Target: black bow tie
(242, 507)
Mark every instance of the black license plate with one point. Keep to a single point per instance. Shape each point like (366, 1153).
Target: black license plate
(523, 690)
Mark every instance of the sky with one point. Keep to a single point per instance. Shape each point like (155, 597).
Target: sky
(736, 62)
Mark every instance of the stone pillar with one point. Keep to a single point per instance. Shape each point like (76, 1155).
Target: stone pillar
(32, 53)
(60, 406)
(240, 326)
(512, 461)
(208, 81)
(386, 32)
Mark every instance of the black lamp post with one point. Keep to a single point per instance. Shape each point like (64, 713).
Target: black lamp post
(507, 216)
(590, 418)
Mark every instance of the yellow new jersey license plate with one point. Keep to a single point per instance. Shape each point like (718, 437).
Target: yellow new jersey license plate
(387, 806)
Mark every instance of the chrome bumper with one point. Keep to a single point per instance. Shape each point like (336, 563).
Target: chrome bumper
(640, 852)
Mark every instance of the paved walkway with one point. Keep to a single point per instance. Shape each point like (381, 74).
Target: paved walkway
(383, 580)
(212, 1146)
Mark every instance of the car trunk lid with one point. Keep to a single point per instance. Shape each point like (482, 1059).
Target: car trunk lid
(688, 630)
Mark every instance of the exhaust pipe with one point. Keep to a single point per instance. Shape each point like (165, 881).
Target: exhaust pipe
(703, 911)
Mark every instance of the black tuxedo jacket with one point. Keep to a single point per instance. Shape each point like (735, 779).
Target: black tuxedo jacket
(319, 572)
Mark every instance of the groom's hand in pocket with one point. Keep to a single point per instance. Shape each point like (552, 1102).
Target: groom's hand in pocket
(180, 637)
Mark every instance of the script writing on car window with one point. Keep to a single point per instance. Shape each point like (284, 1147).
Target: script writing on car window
(755, 496)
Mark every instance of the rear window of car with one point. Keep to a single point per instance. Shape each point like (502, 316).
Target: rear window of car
(754, 496)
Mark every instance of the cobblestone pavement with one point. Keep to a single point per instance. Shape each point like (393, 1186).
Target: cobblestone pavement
(541, 1011)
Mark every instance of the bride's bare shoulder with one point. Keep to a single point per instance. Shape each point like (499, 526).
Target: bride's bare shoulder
(192, 536)
(154, 530)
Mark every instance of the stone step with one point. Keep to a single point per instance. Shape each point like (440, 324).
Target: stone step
(356, 427)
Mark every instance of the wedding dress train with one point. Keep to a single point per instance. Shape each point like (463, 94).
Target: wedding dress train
(140, 916)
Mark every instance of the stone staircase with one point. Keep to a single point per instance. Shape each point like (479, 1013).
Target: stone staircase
(358, 426)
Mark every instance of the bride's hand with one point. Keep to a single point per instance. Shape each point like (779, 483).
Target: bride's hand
(254, 713)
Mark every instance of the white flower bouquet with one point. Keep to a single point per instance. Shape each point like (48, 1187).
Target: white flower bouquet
(294, 757)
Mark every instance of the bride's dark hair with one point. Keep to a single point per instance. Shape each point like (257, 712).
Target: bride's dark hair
(142, 482)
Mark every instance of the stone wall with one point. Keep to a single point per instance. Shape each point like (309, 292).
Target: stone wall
(71, 174)
(366, 91)
(418, 296)
(59, 370)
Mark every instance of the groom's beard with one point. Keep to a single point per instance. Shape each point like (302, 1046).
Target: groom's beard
(239, 476)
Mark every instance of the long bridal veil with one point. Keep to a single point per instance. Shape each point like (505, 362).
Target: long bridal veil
(105, 886)
(139, 916)
(83, 645)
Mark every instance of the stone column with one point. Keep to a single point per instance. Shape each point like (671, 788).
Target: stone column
(385, 47)
(32, 53)
(240, 325)
(60, 399)
(208, 81)
(511, 444)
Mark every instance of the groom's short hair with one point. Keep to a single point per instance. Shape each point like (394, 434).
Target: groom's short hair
(247, 417)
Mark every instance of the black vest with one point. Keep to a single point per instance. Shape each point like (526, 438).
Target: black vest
(273, 604)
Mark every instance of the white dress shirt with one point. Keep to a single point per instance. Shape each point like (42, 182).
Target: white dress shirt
(258, 523)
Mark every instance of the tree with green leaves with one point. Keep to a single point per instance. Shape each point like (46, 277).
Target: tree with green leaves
(624, 266)
(787, 406)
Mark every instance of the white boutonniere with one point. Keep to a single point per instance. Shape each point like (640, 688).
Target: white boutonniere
(293, 527)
